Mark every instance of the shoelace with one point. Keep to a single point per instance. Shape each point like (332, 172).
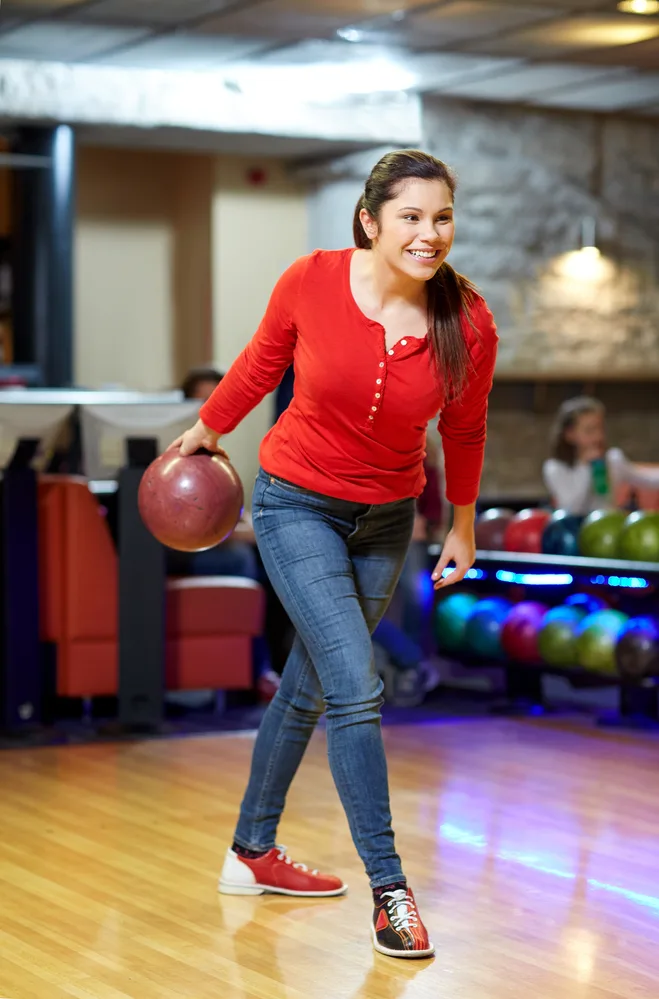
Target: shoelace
(401, 909)
(282, 855)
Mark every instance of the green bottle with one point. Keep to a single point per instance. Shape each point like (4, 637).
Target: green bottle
(600, 477)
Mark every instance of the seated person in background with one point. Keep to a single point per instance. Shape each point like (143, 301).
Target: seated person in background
(582, 473)
(237, 556)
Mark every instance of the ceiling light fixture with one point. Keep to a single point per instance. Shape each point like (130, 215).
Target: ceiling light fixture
(350, 34)
(589, 246)
(639, 6)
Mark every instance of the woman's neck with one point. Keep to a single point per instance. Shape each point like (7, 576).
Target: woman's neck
(389, 286)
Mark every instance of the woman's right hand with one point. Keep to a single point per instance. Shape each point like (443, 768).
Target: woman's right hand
(199, 436)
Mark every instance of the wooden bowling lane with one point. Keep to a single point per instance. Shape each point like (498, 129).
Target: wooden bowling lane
(532, 847)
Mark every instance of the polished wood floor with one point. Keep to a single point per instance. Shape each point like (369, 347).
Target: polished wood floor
(533, 850)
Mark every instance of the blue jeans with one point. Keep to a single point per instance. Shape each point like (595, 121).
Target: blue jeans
(334, 565)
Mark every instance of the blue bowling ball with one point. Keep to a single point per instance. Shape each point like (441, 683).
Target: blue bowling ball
(561, 535)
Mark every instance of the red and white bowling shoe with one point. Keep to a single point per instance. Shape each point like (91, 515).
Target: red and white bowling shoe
(276, 873)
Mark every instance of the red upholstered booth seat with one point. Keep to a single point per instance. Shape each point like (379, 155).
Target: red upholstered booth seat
(211, 621)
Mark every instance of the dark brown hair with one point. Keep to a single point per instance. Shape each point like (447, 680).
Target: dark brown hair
(568, 414)
(198, 375)
(449, 293)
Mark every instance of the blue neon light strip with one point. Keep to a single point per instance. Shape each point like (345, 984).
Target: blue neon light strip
(535, 578)
(552, 578)
(633, 582)
(470, 573)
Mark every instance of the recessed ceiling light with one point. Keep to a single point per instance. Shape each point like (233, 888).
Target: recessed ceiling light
(639, 6)
(350, 34)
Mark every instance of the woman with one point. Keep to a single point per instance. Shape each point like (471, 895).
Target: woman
(382, 336)
(582, 473)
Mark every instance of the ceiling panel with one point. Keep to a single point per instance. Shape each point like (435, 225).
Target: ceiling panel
(349, 10)
(183, 51)
(485, 44)
(29, 7)
(62, 41)
(427, 72)
(571, 36)
(623, 94)
(8, 23)
(300, 19)
(275, 24)
(156, 12)
(567, 5)
(456, 22)
(643, 55)
(424, 65)
(476, 17)
(524, 83)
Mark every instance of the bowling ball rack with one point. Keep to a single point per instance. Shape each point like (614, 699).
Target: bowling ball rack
(544, 577)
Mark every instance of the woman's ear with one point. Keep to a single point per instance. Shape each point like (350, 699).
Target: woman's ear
(369, 225)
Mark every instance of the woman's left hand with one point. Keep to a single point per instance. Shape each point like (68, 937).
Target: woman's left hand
(459, 547)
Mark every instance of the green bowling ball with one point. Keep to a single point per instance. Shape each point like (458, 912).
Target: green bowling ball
(557, 641)
(597, 639)
(451, 615)
(600, 532)
(639, 538)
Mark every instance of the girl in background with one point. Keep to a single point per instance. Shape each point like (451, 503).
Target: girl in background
(582, 473)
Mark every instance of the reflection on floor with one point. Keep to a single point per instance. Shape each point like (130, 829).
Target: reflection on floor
(531, 845)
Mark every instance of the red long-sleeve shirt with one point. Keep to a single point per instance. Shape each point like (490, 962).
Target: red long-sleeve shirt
(356, 427)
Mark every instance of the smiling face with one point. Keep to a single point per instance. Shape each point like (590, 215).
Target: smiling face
(415, 230)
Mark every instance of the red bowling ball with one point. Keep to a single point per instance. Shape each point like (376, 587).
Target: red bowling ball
(524, 532)
(519, 635)
(190, 503)
(491, 527)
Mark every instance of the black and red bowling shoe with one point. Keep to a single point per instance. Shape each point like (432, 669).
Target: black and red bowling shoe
(397, 928)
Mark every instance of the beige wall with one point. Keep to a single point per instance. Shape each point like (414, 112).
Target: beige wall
(193, 293)
(257, 232)
(143, 253)
(124, 267)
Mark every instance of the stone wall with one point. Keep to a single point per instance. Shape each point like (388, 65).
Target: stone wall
(527, 180)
